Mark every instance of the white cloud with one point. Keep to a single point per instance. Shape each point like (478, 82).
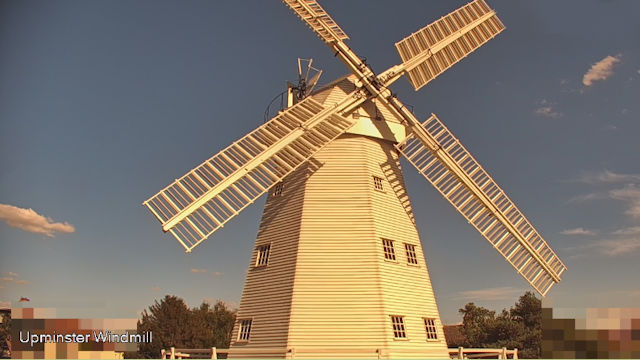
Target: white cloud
(497, 293)
(202, 271)
(601, 70)
(578, 231)
(607, 176)
(619, 246)
(12, 274)
(631, 195)
(587, 197)
(620, 242)
(31, 221)
(634, 230)
(546, 109)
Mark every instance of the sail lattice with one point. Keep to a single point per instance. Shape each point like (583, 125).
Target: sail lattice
(483, 203)
(318, 20)
(204, 199)
(433, 49)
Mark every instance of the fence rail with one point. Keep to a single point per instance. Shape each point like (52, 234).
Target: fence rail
(459, 353)
(482, 353)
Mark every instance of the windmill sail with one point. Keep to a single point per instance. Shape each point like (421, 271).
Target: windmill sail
(436, 47)
(467, 186)
(318, 20)
(204, 199)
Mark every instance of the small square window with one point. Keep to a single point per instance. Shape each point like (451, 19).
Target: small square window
(262, 258)
(245, 330)
(377, 183)
(389, 251)
(277, 190)
(412, 258)
(430, 327)
(397, 322)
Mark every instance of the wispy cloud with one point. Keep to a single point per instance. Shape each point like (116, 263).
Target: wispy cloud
(631, 195)
(7, 279)
(202, 271)
(601, 70)
(31, 221)
(607, 176)
(633, 230)
(587, 197)
(619, 246)
(156, 288)
(620, 242)
(546, 109)
(578, 231)
(12, 274)
(497, 293)
(22, 282)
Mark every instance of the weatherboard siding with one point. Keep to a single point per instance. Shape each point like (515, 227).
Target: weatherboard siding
(327, 290)
(267, 294)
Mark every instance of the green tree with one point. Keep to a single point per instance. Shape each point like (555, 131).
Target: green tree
(520, 327)
(476, 321)
(174, 324)
(5, 336)
(528, 312)
(211, 327)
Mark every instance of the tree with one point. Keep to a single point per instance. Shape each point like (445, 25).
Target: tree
(476, 320)
(212, 327)
(174, 324)
(528, 312)
(520, 327)
(5, 336)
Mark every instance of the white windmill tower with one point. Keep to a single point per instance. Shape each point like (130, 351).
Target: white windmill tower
(338, 268)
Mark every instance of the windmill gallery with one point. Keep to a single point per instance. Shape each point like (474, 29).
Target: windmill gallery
(338, 268)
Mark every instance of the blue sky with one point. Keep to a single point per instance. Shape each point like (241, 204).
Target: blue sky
(104, 103)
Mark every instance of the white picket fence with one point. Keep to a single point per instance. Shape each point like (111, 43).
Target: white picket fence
(459, 353)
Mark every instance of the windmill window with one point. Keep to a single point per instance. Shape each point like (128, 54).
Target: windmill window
(262, 258)
(412, 258)
(277, 190)
(389, 251)
(397, 323)
(430, 327)
(377, 183)
(245, 330)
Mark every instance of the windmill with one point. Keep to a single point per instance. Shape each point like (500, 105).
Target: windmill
(338, 268)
